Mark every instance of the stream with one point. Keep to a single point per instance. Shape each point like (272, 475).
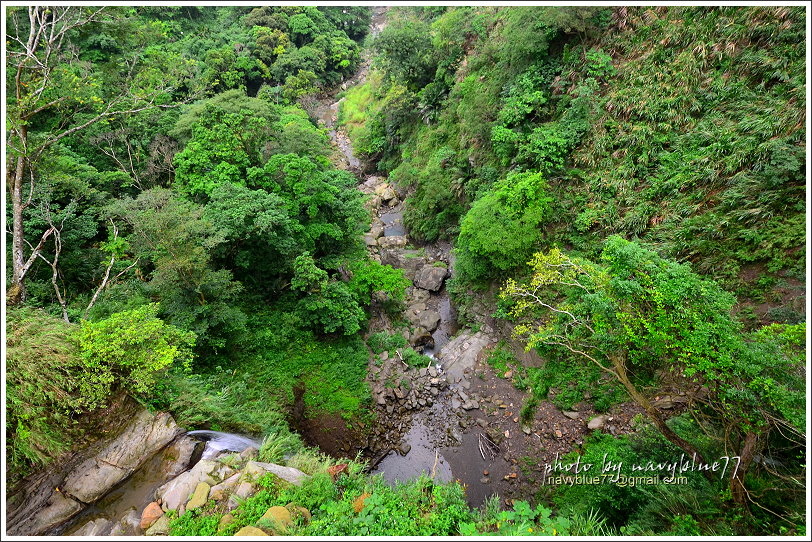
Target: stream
(436, 441)
(133, 494)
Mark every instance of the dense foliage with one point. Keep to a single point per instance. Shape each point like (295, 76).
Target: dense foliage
(683, 127)
(565, 132)
(629, 179)
(357, 504)
(57, 371)
(185, 212)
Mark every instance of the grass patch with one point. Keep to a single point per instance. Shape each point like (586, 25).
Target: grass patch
(383, 342)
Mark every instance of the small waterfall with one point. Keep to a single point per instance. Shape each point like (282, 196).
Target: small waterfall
(217, 441)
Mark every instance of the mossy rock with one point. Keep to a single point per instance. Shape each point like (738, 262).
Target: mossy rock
(251, 531)
(225, 521)
(279, 516)
(199, 497)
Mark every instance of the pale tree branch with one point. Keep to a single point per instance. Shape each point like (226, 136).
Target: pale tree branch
(106, 280)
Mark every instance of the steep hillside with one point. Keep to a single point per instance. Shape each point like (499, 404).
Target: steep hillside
(682, 127)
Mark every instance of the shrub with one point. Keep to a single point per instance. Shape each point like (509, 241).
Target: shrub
(502, 228)
(383, 341)
(129, 350)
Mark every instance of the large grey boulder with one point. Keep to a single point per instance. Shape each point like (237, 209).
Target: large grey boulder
(460, 354)
(57, 510)
(96, 527)
(178, 456)
(421, 337)
(142, 438)
(128, 525)
(255, 469)
(408, 260)
(597, 422)
(392, 241)
(177, 491)
(430, 278)
(48, 498)
(429, 319)
(417, 295)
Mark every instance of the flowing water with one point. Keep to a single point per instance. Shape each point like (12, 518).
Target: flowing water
(218, 442)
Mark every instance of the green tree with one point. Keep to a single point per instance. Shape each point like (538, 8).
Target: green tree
(259, 238)
(323, 201)
(372, 280)
(220, 152)
(502, 228)
(42, 378)
(55, 94)
(635, 313)
(128, 351)
(172, 241)
(404, 51)
(353, 20)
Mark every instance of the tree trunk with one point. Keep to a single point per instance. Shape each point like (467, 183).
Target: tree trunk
(654, 415)
(16, 292)
(737, 489)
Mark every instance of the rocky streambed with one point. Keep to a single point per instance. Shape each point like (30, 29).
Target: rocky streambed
(456, 418)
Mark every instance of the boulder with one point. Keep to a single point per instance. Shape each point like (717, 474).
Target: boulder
(418, 295)
(250, 531)
(289, 474)
(176, 492)
(430, 278)
(597, 422)
(421, 337)
(96, 527)
(244, 490)
(128, 525)
(179, 455)
(299, 512)
(279, 517)
(57, 510)
(572, 415)
(139, 441)
(460, 354)
(159, 528)
(381, 188)
(373, 203)
(388, 195)
(429, 319)
(408, 260)
(218, 492)
(392, 241)
(199, 497)
(150, 515)
(376, 230)
(225, 521)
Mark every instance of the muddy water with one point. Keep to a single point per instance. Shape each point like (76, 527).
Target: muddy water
(423, 457)
(393, 223)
